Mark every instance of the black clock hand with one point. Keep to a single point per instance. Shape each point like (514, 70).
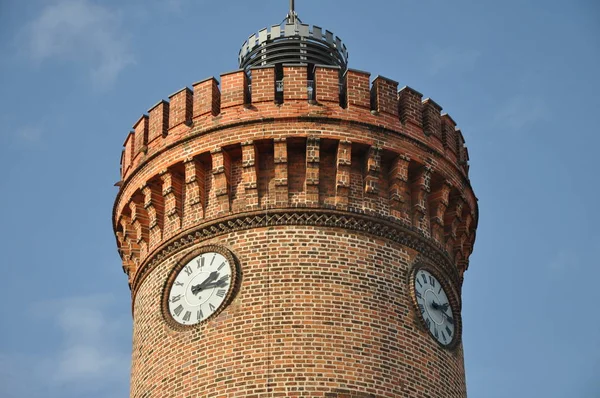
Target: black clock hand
(437, 306)
(449, 318)
(443, 307)
(198, 288)
(220, 283)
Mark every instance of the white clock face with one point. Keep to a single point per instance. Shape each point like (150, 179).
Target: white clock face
(435, 307)
(200, 288)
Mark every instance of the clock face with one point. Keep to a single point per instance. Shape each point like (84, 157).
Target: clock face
(200, 287)
(435, 308)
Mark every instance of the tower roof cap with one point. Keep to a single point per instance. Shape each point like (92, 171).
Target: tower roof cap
(293, 42)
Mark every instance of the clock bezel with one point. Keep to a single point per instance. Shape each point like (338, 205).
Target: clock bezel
(232, 291)
(452, 295)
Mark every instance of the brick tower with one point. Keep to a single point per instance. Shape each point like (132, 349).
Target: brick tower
(295, 230)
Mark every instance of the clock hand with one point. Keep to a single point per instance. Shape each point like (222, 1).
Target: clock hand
(198, 288)
(443, 308)
(437, 306)
(222, 283)
(449, 318)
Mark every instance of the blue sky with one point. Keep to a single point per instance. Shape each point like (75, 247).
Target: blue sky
(519, 77)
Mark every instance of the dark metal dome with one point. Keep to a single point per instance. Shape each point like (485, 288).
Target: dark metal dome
(293, 43)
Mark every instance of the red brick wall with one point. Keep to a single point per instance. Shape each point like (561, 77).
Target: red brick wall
(319, 311)
(361, 188)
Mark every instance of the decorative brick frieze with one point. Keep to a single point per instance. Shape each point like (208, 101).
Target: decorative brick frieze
(139, 220)
(438, 203)
(129, 248)
(452, 220)
(373, 171)
(342, 185)
(250, 174)
(154, 205)
(420, 188)
(312, 171)
(221, 172)
(394, 194)
(195, 193)
(172, 190)
(281, 172)
(397, 232)
(400, 197)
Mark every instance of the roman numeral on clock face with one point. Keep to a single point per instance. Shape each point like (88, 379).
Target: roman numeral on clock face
(188, 270)
(212, 307)
(199, 315)
(176, 298)
(178, 310)
(422, 308)
(221, 266)
(221, 292)
(187, 315)
(200, 262)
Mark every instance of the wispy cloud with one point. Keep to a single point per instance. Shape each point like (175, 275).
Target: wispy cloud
(88, 354)
(452, 58)
(522, 111)
(90, 359)
(30, 134)
(26, 137)
(81, 30)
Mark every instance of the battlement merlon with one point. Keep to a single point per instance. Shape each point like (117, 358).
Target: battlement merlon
(256, 94)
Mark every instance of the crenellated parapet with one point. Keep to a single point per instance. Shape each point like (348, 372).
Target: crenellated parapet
(251, 97)
(218, 154)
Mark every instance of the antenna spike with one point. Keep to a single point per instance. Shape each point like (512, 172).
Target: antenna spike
(291, 18)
